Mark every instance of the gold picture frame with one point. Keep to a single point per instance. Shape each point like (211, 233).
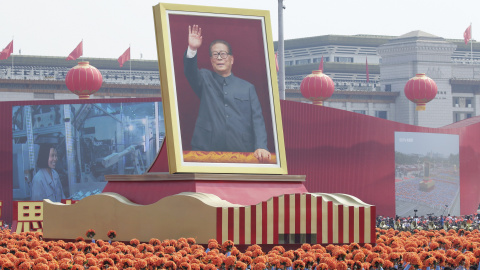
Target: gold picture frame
(250, 35)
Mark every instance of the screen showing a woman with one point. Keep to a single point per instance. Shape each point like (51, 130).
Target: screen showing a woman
(46, 182)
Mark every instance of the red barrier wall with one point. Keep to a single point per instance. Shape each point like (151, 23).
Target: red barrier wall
(339, 151)
(346, 152)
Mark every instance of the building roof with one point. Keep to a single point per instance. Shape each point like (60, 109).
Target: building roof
(333, 67)
(356, 40)
(417, 33)
(100, 63)
(366, 41)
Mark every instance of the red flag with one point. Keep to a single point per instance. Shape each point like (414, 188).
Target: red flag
(124, 57)
(366, 62)
(76, 53)
(467, 35)
(276, 62)
(7, 51)
(320, 67)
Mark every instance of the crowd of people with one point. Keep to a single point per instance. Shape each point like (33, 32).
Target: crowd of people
(441, 195)
(430, 222)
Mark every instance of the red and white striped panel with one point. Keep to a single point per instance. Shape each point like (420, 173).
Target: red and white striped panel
(299, 218)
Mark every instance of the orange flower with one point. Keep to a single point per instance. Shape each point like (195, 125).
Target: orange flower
(134, 242)
(246, 259)
(111, 234)
(371, 256)
(289, 254)
(341, 266)
(377, 262)
(388, 264)
(308, 260)
(78, 239)
(461, 260)
(306, 247)
(90, 233)
(238, 266)
(217, 261)
(259, 266)
(353, 246)
(430, 262)
(195, 266)
(298, 264)
(169, 250)
(154, 242)
(230, 261)
(227, 245)
(212, 243)
(280, 249)
(170, 265)
(77, 267)
(191, 241)
(283, 262)
(366, 265)
(415, 261)
(9, 265)
(185, 266)
(331, 262)
(107, 262)
(257, 252)
(40, 266)
(322, 266)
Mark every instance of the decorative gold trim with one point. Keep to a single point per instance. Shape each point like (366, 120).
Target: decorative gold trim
(176, 164)
(206, 177)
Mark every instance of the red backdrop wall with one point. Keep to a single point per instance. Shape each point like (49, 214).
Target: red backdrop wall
(346, 152)
(338, 151)
(245, 36)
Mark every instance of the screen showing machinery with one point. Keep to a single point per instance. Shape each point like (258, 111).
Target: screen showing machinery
(427, 175)
(64, 151)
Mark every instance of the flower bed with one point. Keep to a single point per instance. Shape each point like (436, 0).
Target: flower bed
(419, 249)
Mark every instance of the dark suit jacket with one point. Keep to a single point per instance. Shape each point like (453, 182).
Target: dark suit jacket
(230, 117)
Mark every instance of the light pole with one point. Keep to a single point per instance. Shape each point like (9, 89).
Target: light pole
(281, 51)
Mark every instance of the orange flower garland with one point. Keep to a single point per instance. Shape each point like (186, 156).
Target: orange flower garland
(90, 233)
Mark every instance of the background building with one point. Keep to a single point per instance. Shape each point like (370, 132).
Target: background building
(392, 61)
(41, 77)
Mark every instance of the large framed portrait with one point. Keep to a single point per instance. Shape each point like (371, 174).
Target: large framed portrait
(219, 90)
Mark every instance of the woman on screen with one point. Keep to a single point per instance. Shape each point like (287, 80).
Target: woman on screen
(46, 182)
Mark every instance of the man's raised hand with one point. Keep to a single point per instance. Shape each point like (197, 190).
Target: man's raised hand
(194, 37)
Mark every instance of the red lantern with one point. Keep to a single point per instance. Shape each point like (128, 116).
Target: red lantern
(84, 80)
(420, 90)
(317, 87)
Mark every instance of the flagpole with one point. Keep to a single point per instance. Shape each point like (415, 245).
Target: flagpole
(471, 52)
(130, 62)
(471, 45)
(12, 57)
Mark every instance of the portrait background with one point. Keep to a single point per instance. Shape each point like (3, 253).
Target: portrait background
(247, 41)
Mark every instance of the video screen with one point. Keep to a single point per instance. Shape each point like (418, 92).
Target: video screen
(64, 151)
(427, 175)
